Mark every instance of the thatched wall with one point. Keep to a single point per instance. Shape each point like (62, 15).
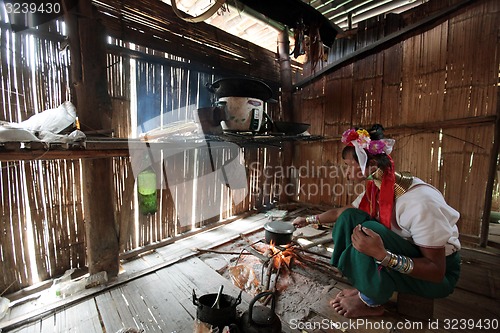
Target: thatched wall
(436, 94)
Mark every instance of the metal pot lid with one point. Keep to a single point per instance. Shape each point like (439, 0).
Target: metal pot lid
(280, 227)
(240, 87)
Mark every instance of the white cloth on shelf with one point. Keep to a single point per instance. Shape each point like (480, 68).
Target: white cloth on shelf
(51, 120)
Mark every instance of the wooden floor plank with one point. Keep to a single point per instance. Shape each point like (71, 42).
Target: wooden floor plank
(79, 318)
(168, 312)
(214, 237)
(181, 289)
(125, 311)
(462, 304)
(134, 297)
(158, 297)
(134, 266)
(108, 309)
(31, 328)
(205, 280)
(47, 325)
(479, 273)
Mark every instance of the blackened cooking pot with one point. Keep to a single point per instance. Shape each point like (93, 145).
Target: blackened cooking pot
(290, 128)
(240, 87)
(222, 315)
(278, 232)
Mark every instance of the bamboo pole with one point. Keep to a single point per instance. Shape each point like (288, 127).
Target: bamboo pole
(491, 180)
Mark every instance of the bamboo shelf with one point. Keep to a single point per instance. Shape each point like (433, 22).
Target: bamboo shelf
(114, 147)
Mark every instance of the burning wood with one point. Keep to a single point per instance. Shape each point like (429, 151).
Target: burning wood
(278, 265)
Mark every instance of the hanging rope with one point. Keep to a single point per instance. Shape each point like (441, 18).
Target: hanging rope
(202, 17)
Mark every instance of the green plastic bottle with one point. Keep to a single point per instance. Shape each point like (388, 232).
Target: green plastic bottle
(146, 190)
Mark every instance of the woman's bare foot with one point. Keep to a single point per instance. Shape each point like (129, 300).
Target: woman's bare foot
(352, 307)
(344, 293)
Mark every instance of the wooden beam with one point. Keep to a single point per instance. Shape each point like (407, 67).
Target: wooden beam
(31, 155)
(437, 125)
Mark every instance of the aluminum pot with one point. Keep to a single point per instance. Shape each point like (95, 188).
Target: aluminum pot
(278, 232)
(242, 113)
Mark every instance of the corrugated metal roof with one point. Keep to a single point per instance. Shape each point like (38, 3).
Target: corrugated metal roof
(240, 20)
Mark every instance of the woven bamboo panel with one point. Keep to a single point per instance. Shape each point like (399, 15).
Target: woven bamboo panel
(42, 215)
(437, 76)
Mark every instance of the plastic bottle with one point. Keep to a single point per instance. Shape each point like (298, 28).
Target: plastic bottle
(72, 287)
(146, 188)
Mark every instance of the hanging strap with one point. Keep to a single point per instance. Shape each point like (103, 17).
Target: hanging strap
(202, 17)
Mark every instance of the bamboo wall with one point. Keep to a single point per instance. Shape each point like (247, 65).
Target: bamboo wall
(167, 93)
(434, 92)
(42, 231)
(42, 220)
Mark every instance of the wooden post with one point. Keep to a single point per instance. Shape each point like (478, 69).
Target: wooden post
(485, 223)
(87, 42)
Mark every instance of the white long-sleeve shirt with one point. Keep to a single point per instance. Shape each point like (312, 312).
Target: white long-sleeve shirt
(423, 217)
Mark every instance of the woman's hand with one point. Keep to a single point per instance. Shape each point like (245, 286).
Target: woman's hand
(300, 222)
(368, 242)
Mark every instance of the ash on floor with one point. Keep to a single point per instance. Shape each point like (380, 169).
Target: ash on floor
(297, 289)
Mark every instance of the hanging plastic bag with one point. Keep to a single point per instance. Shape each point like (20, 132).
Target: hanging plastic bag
(244, 278)
(52, 120)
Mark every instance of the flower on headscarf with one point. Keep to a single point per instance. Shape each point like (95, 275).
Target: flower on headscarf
(376, 147)
(349, 135)
(363, 138)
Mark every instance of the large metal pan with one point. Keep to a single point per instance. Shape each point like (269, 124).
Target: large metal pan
(290, 128)
(240, 87)
(278, 232)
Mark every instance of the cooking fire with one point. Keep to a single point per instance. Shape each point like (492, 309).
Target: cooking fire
(277, 269)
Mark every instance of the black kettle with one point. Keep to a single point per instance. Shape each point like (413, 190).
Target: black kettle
(261, 319)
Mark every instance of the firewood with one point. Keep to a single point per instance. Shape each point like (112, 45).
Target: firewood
(252, 250)
(201, 251)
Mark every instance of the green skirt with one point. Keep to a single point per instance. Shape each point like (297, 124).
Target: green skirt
(377, 282)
